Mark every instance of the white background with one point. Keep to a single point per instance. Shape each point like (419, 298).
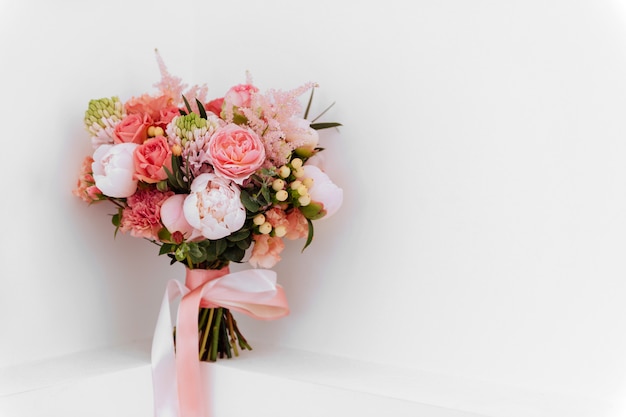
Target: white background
(482, 156)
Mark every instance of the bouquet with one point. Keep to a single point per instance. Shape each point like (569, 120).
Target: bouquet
(210, 182)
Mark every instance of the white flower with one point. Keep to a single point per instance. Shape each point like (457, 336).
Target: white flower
(323, 190)
(214, 206)
(113, 169)
(299, 133)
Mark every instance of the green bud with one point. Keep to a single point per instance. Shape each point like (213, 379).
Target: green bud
(313, 211)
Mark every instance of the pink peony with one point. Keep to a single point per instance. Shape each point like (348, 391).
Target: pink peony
(114, 170)
(173, 217)
(236, 152)
(266, 251)
(132, 129)
(240, 95)
(142, 216)
(324, 191)
(214, 206)
(150, 158)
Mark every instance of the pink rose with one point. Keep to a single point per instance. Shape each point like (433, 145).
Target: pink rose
(114, 170)
(214, 206)
(323, 190)
(215, 106)
(266, 251)
(240, 95)
(165, 116)
(132, 129)
(236, 152)
(150, 157)
(173, 217)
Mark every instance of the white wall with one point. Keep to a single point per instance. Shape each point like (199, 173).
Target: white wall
(482, 159)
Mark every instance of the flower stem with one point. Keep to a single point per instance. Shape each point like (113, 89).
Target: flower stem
(216, 335)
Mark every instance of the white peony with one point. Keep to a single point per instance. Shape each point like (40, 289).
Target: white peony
(323, 190)
(214, 206)
(113, 169)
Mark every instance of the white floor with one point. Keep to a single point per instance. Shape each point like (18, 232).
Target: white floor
(268, 381)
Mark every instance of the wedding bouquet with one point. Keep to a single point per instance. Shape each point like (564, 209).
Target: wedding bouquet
(210, 181)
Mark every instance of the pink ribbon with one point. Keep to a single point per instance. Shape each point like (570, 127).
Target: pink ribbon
(177, 381)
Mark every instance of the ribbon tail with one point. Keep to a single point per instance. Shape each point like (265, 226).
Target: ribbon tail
(163, 357)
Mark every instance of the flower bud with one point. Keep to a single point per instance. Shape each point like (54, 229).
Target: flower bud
(298, 173)
(295, 184)
(284, 171)
(302, 190)
(304, 200)
(280, 231)
(296, 163)
(308, 182)
(282, 195)
(177, 150)
(265, 228)
(278, 184)
(259, 219)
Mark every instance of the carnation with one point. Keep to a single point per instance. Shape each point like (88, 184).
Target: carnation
(142, 216)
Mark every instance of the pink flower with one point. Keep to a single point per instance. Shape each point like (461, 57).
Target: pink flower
(85, 186)
(150, 157)
(236, 152)
(148, 105)
(298, 227)
(266, 251)
(114, 170)
(215, 106)
(324, 191)
(165, 116)
(142, 216)
(132, 129)
(276, 217)
(240, 95)
(173, 217)
(214, 206)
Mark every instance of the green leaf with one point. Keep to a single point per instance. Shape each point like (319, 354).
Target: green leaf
(248, 202)
(197, 253)
(164, 234)
(220, 246)
(234, 254)
(244, 244)
(320, 126)
(187, 104)
(308, 105)
(322, 113)
(309, 238)
(167, 248)
(238, 235)
(201, 109)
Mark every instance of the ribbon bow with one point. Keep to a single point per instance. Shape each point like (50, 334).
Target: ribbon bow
(176, 376)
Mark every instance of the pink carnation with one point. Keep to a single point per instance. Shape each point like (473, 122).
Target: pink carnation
(142, 217)
(266, 251)
(298, 226)
(86, 186)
